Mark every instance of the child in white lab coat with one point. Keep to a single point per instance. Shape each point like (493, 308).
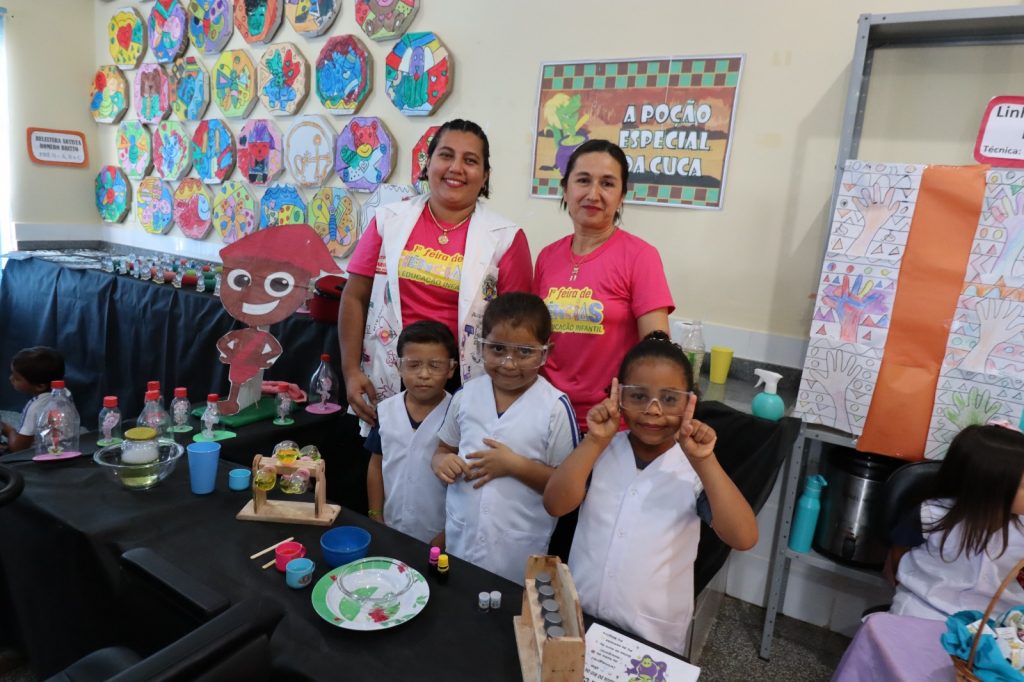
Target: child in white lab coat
(502, 438)
(633, 552)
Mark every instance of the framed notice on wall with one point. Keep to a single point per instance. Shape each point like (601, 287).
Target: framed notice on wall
(672, 116)
(57, 147)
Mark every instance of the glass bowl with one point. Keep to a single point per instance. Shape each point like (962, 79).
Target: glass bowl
(140, 476)
(377, 581)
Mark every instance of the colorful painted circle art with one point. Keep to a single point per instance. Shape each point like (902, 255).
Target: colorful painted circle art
(385, 19)
(234, 211)
(109, 97)
(127, 34)
(172, 150)
(311, 18)
(282, 205)
(113, 194)
(152, 93)
(365, 154)
(283, 79)
(343, 74)
(260, 152)
(309, 150)
(234, 86)
(168, 30)
(190, 89)
(154, 207)
(418, 74)
(134, 151)
(334, 214)
(193, 208)
(258, 20)
(213, 151)
(419, 157)
(210, 25)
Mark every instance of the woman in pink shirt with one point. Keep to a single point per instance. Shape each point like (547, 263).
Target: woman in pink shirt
(605, 288)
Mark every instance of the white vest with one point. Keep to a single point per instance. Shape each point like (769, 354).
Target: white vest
(633, 552)
(499, 525)
(413, 495)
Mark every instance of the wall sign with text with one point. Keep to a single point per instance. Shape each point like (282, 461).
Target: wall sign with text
(58, 147)
(1001, 138)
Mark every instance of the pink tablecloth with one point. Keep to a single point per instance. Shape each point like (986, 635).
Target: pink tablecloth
(893, 648)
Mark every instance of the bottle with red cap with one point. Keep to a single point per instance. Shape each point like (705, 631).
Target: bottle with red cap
(58, 423)
(155, 386)
(323, 388)
(154, 415)
(179, 410)
(109, 422)
(211, 415)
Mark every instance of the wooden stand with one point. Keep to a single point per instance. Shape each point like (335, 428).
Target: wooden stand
(559, 659)
(315, 513)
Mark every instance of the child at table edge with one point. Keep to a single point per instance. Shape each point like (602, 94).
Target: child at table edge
(32, 370)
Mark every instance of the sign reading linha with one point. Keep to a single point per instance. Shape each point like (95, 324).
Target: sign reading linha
(57, 147)
(673, 117)
(1001, 138)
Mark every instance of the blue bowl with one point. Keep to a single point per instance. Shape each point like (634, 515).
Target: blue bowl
(344, 544)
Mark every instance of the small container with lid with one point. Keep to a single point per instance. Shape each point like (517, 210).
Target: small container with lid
(483, 601)
(179, 410)
(552, 619)
(140, 446)
(495, 599)
(435, 554)
(109, 422)
(549, 606)
(546, 592)
(442, 569)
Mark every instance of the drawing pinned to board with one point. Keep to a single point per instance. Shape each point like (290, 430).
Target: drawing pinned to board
(854, 301)
(311, 18)
(154, 206)
(190, 88)
(152, 96)
(343, 74)
(283, 79)
(419, 158)
(334, 214)
(837, 383)
(108, 99)
(997, 255)
(234, 85)
(309, 150)
(168, 30)
(258, 20)
(211, 24)
(365, 154)
(193, 208)
(172, 150)
(134, 149)
(234, 211)
(418, 74)
(260, 152)
(385, 19)
(127, 38)
(987, 333)
(213, 151)
(113, 194)
(282, 205)
(965, 398)
(873, 210)
(385, 194)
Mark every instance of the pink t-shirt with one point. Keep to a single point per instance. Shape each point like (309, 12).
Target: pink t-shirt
(429, 273)
(595, 316)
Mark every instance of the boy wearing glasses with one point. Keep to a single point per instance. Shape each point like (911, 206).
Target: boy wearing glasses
(504, 434)
(402, 491)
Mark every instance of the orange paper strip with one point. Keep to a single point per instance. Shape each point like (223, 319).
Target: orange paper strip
(930, 282)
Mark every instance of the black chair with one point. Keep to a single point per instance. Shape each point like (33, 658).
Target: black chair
(903, 491)
(11, 484)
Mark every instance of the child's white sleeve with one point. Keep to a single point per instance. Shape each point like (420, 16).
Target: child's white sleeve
(563, 433)
(449, 433)
(28, 424)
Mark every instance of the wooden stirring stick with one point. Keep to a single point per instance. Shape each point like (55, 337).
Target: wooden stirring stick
(270, 563)
(271, 548)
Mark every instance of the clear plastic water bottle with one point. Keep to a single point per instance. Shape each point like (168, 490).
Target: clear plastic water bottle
(200, 282)
(144, 268)
(211, 415)
(692, 342)
(154, 415)
(109, 422)
(58, 423)
(323, 387)
(179, 410)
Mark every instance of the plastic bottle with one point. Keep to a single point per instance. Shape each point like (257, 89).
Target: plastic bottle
(216, 284)
(200, 283)
(154, 415)
(442, 569)
(109, 422)
(435, 554)
(692, 342)
(806, 517)
(767, 404)
(211, 415)
(155, 386)
(58, 423)
(179, 410)
(323, 387)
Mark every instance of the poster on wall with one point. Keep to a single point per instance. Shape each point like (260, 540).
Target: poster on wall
(672, 116)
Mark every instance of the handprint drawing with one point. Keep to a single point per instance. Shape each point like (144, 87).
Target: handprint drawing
(840, 370)
(977, 407)
(1000, 321)
(852, 304)
(876, 211)
(1008, 213)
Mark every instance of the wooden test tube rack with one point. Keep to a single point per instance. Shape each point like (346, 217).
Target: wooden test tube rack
(315, 513)
(559, 659)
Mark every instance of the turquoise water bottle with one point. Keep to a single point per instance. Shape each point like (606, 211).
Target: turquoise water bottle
(806, 517)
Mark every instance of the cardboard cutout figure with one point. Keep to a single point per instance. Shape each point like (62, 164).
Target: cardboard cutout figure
(266, 279)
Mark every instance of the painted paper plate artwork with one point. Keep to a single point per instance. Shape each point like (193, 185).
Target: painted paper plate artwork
(418, 74)
(234, 84)
(213, 151)
(193, 208)
(127, 35)
(343, 74)
(109, 97)
(385, 19)
(309, 150)
(419, 157)
(235, 213)
(172, 150)
(258, 20)
(134, 149)
(365, 154)
(190, 89)
(334, 214)
(282, 205)
(168, 30)
(113, 194)
(152, 93)
(260, 152)
(210, 25)
(154, 206)
(385, 194)
(311, 18)
(366, 578)
(283, 79)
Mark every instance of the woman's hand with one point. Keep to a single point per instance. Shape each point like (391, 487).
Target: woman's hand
(603, 418)
(448, 466)
(696, 438)
(357, 384)
(486, 465)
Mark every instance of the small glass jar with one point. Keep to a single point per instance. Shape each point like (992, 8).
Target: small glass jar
(296, 482)
(140, 446)
(266, 477)
(286, 452)
(310, 452)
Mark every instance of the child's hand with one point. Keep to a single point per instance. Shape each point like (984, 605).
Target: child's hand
(449, 467)
(495, 462)
(696, 438)
(603, 418)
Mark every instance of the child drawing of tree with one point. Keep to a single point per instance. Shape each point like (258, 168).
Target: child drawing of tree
(852, 304)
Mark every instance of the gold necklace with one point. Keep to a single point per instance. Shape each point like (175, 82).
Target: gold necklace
(443, 237)
(577, 264)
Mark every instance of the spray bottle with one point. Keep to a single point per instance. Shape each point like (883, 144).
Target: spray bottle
(767, 404)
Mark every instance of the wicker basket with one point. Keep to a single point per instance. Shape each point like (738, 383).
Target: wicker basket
(965, 669)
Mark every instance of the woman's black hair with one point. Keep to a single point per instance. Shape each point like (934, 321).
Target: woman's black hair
(429, 331)
(518, 309)
(39, 365)
(462, 126)
(981, 473)
(594, 147)
(658, 345)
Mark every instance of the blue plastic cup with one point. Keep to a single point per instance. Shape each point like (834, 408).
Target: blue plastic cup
(202, 466)
(238, 479)
(299, 573)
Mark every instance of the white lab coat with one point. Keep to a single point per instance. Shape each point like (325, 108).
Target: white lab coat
(633, 552)
(413, 495)
(499, 525)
